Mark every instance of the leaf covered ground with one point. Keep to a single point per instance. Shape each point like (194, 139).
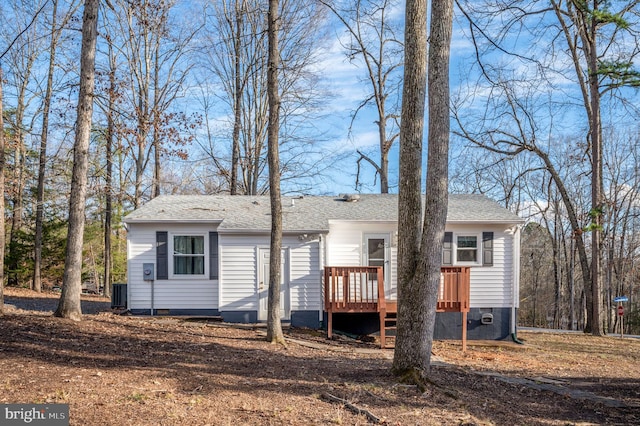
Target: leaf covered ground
(123, 370)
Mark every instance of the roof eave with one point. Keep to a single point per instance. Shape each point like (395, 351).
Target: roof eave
(235, 231)
(492, 222)
(173, 220)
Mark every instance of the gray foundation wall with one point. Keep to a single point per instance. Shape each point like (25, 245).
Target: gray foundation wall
(308, 319)
(448, 324)
(178, 312)
(496, 325)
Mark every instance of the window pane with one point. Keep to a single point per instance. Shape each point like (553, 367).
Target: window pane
(467, 248)
(467, 242)
(188, 265)
(188, 255)
(467, 255)
(185, 244)
(375, 248)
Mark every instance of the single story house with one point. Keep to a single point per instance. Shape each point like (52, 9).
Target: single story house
(209, 255)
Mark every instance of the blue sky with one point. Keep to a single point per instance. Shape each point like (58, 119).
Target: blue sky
(345, 79)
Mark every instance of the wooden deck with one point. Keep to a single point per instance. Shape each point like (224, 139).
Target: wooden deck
(360, 289)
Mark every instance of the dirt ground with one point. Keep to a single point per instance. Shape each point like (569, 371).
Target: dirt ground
(124, 370)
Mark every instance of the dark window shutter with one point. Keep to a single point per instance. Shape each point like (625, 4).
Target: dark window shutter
(487, 249)
(162, 255)
(213, 255)
(447, 249)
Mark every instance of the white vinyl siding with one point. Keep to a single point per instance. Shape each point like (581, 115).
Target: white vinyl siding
(174, 293)
(306, 279)
(346, 246)
(491, 286)
(393, 289)
(236, 289)
(239, 272)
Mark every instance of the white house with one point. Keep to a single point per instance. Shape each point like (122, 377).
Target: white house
(209, 255)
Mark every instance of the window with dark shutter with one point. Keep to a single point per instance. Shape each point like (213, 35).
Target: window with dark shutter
(447, 249)
(487, 249)
(213, 255)
(162, 255)
(189, 255)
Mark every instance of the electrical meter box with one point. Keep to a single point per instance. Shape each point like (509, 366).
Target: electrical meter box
(147, 272)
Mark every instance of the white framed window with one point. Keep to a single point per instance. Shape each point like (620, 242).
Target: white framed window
(189, 255)
(467, 249)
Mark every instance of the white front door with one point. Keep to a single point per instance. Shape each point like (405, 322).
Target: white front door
(263, 285)
(376, 253)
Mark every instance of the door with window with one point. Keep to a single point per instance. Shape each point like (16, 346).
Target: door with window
(376, 253)
(263, 285)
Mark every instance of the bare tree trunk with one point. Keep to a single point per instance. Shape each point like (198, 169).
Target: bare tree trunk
(111, 129)
(19, 178)
(409, 354)
(42, 164)
(2, 208)
(597, 208)
(420, 249)
(157, 119)
(237, 102)
(381, 54)
(274, 327)
(557, 273)
(437, 195)
(571, 279)
(69, 305)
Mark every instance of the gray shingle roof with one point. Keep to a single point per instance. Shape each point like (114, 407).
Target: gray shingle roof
(309, 213)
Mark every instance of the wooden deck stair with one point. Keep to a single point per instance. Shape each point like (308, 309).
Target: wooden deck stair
(388, 321)
(359, 289)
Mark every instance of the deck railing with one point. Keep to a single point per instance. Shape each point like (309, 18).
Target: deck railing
(453, 294)
(361, 289)
(353, 288)
(357, 289)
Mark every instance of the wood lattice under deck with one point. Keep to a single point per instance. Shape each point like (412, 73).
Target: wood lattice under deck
(360, 289)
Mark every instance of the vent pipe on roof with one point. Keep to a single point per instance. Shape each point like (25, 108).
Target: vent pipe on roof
(351, 198)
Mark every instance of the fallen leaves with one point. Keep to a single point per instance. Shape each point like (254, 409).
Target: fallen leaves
(116, 370)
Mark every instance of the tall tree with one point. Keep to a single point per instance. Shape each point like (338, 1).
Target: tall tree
(239, 65)
(69, 305)
(27, 26)
(22, 75)
(2, 231)
(153, 47)
(590, 48)
(274, 327)
(420, 246)
(56, 31)
(112, 98)
(373, 40)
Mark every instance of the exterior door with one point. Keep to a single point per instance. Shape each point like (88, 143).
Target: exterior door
(263, 285)
(377, 254)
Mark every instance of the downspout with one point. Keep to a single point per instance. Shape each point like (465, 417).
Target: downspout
(322, 256)
(516, 284)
